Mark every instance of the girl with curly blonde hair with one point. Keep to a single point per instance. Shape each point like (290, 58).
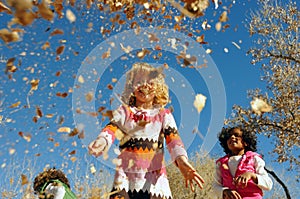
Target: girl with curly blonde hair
(143, 125)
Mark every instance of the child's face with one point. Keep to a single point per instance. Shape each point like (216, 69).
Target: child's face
(143, 89)
(235, 142)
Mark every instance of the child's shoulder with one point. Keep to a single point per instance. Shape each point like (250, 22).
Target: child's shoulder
(252, 154)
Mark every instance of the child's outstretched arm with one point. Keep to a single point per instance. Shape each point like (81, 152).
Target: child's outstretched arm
(178, 153)
(103, 141)
(189, 173)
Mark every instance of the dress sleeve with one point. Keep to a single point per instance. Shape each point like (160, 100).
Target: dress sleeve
(264, 180)
(57, 190)
(217, 183)
(173, 140)
(112, 130)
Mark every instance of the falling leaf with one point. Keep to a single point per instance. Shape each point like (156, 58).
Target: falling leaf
(223, 17)
(4, 8)
(218, 26)
(89, 96)
(24, 179)
(64, 130)
(73, 159)
(70, 16)
(46, 45)
(259, 106)
(27, 137)
(45, 11)
(10, 67)
(80, 79)
(199, 102)
(60, 50)
(34, 84)
(92, 169)
(38, 111)
(208, 51)
(81, 135)
(109, 86)
(9, 36)
(63, 95)
(72, 152)
(57, 32)
(11, 151)
(15, 104)
(74, 132)
(49, 115)
(127, 49)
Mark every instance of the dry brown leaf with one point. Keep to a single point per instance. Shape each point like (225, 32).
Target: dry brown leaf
(60, 50)
(72, 152)
(9, 36)
(34, 84)
(73, 159)
(63, 95)
(10, 67)
(110, 87)
(14, 105)
(4, 8)
(58, 6)
(81, 135)
(25, 18)
(45, 11)
(46, 45)
(35, 119)
(70, 16)
(74, 132)
(24, 179)
(57, 32)
(38, 111)
(223, 17)
(89, 96)
(64, 130)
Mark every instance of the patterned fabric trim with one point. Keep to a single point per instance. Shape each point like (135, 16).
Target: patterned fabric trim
(122, 194)
(135, 143)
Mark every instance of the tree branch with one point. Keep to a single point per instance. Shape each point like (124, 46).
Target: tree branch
(273, 174)
(284, 57)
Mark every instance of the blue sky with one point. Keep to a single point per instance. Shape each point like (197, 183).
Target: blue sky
(80, 39)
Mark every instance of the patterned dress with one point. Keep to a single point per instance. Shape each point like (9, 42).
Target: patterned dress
(141, 172)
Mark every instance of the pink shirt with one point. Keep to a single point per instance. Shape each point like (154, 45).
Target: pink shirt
(229, 167)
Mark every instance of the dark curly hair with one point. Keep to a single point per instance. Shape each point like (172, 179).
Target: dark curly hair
(47, 176)
(248, 137)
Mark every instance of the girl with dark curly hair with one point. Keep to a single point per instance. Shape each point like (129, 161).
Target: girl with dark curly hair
(240, 174)
(52, 184)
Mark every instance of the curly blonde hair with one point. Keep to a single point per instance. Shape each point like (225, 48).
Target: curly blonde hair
(157, 79)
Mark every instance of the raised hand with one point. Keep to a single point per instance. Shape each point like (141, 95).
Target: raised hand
(231, 194)
(242, 180)
(189, 173)
(97, 146)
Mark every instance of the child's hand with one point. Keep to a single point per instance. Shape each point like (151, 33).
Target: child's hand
(97, 146)
(231, 194)
(189, 173)
(243, 179)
